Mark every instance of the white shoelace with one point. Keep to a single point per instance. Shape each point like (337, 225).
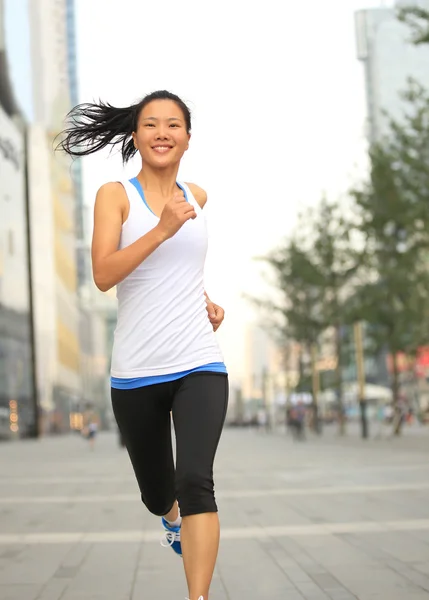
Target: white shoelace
(169, 538)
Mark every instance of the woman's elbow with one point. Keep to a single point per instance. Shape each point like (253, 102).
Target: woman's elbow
(101, 283)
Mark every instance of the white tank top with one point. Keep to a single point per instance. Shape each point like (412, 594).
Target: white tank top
(163, 326)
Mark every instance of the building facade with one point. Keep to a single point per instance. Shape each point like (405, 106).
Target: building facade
(57, 337)
(52, 218)
(18, 406)
(389, 59)
(96, 310)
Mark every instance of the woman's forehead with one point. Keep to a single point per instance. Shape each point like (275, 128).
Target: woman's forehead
(162, 109)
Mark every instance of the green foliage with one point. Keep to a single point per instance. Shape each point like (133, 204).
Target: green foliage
(311, 271)
(394, 208)
(374, 267)
(418, 20)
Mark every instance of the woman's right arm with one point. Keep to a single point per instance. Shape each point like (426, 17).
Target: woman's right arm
(110, 265)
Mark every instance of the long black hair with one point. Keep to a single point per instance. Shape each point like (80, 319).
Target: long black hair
(91, 127)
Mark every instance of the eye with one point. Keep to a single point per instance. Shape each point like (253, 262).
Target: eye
(174, 125)
(149, 125)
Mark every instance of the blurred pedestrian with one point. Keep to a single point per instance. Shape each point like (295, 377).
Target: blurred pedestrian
(150, 241)
(301, 413)
(91, 423)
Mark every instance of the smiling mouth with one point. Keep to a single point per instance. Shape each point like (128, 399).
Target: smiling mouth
(161, 149)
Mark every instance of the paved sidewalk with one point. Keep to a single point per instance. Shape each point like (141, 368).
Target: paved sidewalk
(320, 520)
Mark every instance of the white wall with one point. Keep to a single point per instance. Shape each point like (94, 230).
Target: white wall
(13, 251)
(43, 267)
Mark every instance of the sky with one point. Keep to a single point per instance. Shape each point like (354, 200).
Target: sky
(278, 102)
(17, 30)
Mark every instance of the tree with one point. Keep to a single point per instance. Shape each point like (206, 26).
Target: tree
(418, 20)
(394, 205)
(312, 272)
(298, 285)
(337, 259)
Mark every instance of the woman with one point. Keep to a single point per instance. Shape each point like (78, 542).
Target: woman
(150, 241)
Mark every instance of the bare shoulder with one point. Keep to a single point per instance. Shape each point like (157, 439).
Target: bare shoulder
(112, 197)
(111, 192)
(200, 195)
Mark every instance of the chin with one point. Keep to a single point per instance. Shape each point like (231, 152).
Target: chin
(163, 163)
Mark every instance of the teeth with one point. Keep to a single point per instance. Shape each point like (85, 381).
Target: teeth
(161, 148)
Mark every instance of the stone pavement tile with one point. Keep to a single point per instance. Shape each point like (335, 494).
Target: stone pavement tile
(311, 591)
(15, 520)
(378, 548)
(387, 595)
(161, 585)
(248, 572)
(266, 511)
(158, 586)
(331, 550)
(367, 580)
(310, 578)
(292, 560)
(337, 510)
(54, 590)
(401, 545)
(421, 567)
(107, 572)
(160, 576)
(292, 567)
(10, 553)
(341, 594)
(112, 594)
(332, 587)
(407, 571)
(75, 557)
(362, 543)
(33, 565)
(19, 592)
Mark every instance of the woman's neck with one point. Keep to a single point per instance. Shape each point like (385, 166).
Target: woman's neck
(162, 183)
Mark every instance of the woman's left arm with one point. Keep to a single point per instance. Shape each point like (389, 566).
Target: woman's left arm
(215, 312)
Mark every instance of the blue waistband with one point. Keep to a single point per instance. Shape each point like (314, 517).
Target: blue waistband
(136, 382)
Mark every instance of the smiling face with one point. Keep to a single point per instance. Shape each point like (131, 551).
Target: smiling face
(161, 136)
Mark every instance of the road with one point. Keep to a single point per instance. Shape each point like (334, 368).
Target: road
(325, 519)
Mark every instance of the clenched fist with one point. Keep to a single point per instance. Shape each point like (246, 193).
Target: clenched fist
(175, 213)
(215, 312)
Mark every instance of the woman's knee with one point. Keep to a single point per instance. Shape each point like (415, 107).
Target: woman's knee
(157, 506)
(195, 493)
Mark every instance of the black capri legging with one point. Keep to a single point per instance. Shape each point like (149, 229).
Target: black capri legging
(198, 403)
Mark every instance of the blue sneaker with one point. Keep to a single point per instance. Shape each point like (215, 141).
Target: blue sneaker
(171, 537)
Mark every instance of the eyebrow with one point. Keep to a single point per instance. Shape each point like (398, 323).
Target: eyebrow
(155, 119)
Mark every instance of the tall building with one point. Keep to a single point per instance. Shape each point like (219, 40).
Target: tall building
(389, 59)
(96, 311)
(57, 337)
(82, 255)
(52, 219)
(18, 408)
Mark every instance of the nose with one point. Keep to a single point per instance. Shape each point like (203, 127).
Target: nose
(162, 132)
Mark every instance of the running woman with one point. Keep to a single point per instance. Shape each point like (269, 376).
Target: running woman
(150, 241)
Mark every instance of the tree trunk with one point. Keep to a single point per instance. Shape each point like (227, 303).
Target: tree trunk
(360, 372)
(413, 377)
(398, 417)
(316, 388)
(364, 419)
(339, 378)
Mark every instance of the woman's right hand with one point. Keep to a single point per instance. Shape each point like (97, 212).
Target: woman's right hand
(175, 213)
